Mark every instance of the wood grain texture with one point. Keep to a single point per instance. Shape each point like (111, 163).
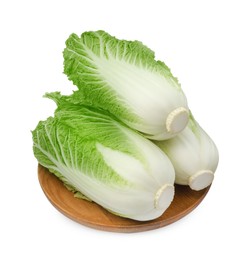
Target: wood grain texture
(92, 215)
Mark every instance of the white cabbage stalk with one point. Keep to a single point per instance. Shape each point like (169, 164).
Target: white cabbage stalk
(124, 78)
(194, 156)
(105, 161)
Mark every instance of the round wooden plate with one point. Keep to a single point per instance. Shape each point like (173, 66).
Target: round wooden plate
(92, 215)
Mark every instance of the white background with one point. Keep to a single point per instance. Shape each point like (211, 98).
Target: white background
(206, 45)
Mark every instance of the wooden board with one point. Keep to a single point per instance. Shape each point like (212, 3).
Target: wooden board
(92, 215)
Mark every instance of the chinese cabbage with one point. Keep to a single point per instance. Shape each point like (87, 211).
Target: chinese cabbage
(104, 160)
(124, 78)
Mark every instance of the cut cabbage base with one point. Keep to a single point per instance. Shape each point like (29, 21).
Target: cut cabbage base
(177, 120)
(164, 196)
(201, 180)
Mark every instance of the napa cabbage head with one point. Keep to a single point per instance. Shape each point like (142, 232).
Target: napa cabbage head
(124, 78)
(104, 160)
(194, 156)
